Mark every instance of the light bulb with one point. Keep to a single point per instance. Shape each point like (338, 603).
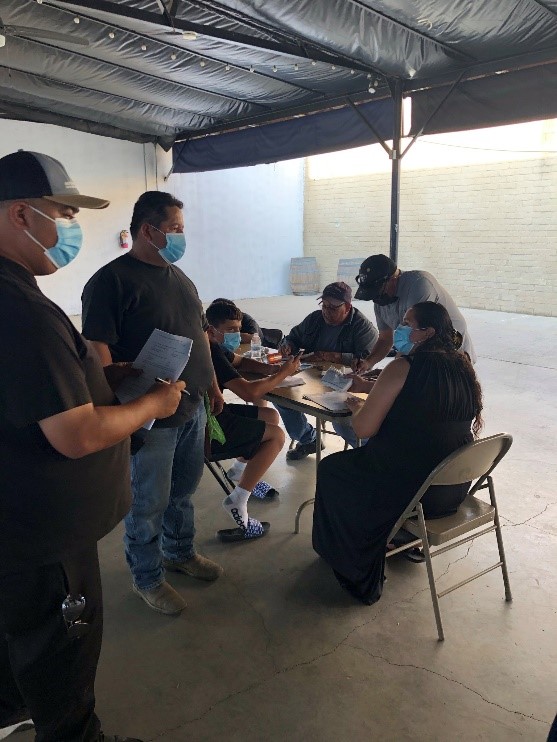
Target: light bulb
(172, 56)
(76, 20)
(274, 68)
(2, 40)
(202, 63)
(333, 67)
(371, 89)
(351, 72)
(227, 68)
(111, 35)
(189, 35)
(369, 75)
(39, 2)
(251, 69)
(143, 48)
(313, 62)
(296, 67)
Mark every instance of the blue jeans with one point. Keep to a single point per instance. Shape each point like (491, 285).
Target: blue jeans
(296, 425)
(165, 474)
(347, 432)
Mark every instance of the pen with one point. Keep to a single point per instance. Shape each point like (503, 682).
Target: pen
(164, 381)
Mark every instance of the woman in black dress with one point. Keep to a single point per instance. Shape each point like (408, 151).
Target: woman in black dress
(424, 405)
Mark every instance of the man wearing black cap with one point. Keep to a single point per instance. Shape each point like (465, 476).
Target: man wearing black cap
(339, 333)
(393, 292)
(64, 453)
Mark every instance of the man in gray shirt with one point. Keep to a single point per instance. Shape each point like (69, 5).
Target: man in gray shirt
(393, 292)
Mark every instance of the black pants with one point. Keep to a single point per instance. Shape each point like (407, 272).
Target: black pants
(40, 667)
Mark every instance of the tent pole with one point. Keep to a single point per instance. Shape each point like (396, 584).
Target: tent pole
(395, 169)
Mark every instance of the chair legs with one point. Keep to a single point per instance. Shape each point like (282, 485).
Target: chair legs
(499, 535)
(430, 575)
(222, 478)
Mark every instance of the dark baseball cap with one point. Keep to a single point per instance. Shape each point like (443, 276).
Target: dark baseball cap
(339, 290)
(34, 175)
(374, 270)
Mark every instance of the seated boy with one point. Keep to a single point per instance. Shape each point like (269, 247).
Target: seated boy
(252, 433)
(248, 327)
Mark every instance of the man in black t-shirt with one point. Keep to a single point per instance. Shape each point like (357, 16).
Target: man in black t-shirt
(64, 451)
(252, 433)
(122, 304)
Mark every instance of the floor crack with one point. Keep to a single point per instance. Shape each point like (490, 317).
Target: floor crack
(512, 524)
(451, 680)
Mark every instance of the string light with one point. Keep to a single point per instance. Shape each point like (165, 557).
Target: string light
(251, 69)
(39, 2)
(143, 48)
(296, 67)
(189, 35)
(202, 63)
(351, 72)
(313, 62)
(111, 35)
(227, 68)
(371, 89)
(173, 57)
(76, 20)
(274, 68)
(369, 75)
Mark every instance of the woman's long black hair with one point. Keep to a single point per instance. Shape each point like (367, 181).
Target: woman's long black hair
(448, 340)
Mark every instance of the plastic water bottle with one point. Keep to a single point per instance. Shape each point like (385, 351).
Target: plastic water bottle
(255, 347)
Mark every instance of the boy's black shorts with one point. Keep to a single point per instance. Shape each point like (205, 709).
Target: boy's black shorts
(243, 432)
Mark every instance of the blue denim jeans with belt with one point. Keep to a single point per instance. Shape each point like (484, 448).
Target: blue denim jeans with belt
(165, 473)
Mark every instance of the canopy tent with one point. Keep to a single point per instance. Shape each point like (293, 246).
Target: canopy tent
(237, 82)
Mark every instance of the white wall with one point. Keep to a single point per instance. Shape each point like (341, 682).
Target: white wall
(99, 166)
(242, 228)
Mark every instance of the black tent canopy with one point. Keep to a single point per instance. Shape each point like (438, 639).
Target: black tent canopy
(237, 82)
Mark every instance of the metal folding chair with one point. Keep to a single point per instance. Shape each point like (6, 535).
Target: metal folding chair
(474, 461)
(219, 473)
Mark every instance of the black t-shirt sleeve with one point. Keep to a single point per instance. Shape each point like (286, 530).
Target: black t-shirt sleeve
(249, 325)
(42, 372)
(222, 363)
(102, 307)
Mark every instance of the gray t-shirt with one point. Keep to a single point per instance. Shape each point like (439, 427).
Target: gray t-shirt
(416, 286)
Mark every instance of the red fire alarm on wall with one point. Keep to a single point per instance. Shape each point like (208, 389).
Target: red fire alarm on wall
(124, 239)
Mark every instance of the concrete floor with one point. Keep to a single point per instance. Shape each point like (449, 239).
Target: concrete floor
(275, 650)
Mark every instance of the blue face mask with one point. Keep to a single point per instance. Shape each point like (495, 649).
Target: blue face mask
(401, 339)
(175, 246)
(231, 341)
(68, 244)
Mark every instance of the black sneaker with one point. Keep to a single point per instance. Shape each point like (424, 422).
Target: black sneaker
(302, 450)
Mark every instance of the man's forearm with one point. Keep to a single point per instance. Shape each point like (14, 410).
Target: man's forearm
(380, 350)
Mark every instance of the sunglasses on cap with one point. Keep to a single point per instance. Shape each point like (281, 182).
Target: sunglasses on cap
(363, 279)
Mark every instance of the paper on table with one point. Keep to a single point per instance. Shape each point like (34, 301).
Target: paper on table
(290, 381)
(333, 401)
(334, 379)
(163, 356)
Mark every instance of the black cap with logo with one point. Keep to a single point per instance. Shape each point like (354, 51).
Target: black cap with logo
(374, 271)
(34, 175)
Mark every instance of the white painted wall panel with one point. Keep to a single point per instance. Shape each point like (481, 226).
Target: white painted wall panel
(242, 228)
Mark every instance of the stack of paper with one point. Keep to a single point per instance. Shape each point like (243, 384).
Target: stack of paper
(163, 356)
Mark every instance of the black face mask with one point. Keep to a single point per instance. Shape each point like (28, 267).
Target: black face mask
(383, 299)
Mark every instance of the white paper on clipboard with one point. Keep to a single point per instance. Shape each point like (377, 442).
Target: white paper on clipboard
(163, 356)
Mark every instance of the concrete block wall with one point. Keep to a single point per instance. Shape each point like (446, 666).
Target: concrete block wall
(488, 231)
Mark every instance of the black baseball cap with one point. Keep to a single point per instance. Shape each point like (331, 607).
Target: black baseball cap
(34, 175)
(374, 270)
(339, 290)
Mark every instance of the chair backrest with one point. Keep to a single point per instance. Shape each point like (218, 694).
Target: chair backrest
(474, 460)
(271, 337)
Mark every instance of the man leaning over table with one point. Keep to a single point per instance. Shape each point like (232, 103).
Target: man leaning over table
(337, 333)
(122, 304)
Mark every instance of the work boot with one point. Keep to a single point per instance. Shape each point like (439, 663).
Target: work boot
(163, 599)
(302, 450)
(198, 566)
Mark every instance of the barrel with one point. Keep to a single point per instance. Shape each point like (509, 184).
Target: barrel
(348, 269)
(304, 276)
